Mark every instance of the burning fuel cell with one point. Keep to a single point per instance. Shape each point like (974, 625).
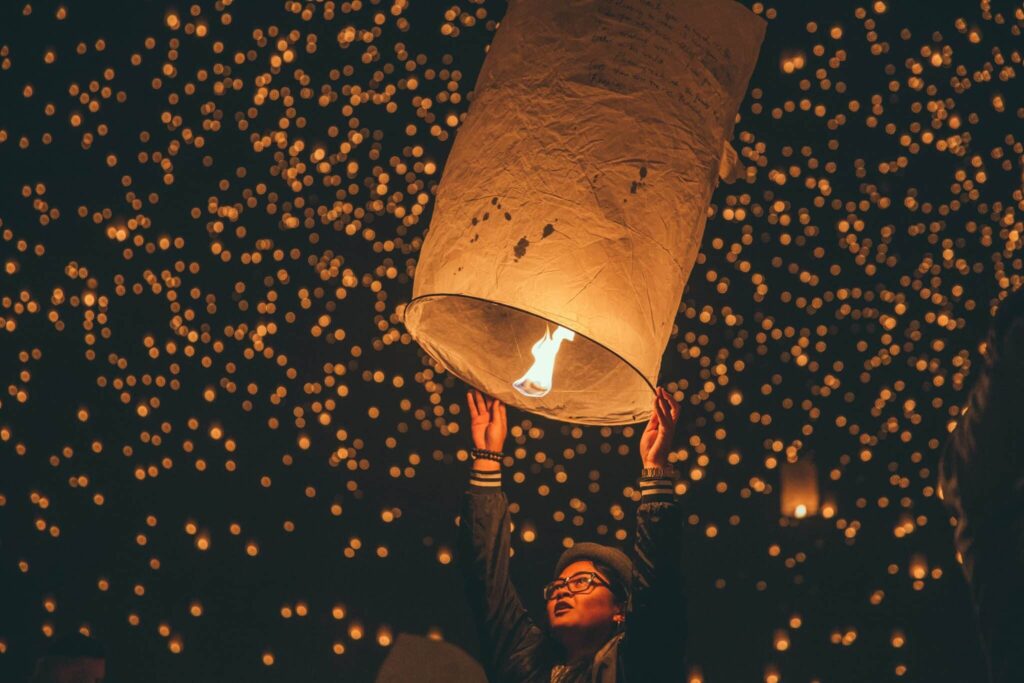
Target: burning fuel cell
(574, 199)
(537, 380)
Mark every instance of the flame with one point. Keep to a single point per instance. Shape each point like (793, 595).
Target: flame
(537, 380)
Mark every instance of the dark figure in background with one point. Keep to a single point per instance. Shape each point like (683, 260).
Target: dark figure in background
(982, 481)
(74, 658)
(609, 619)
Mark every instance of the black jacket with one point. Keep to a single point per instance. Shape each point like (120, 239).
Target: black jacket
(982, 481)
(516, 650)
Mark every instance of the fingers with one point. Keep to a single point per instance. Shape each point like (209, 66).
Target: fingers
(498, 415)
(669, 408)
(659, 407)
(663, 416)
(653, 422)
(481, 403)
(478, 403)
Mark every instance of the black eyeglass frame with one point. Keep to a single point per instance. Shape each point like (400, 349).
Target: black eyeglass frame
(594, 580)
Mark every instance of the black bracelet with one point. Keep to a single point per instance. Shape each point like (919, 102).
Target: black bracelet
(483, 453)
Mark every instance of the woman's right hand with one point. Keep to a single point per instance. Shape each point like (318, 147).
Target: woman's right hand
(489, 424)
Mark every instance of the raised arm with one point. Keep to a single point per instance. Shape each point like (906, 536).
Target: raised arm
(656, 620)
(509, 640)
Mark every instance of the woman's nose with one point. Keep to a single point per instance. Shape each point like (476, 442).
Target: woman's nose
(561, 590)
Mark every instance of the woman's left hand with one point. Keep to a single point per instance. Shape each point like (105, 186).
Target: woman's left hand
(656, 441)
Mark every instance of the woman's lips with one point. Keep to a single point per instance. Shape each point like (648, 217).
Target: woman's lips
(561, 607)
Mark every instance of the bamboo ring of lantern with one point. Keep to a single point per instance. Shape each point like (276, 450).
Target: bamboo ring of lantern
(574, 199)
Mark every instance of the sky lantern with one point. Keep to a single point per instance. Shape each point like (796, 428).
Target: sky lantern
(800, 497)
(572, 205)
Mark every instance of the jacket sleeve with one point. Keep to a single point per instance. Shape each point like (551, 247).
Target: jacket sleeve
(509, 639)
(982, 482)
(655, 638)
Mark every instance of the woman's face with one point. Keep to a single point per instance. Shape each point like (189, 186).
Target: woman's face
(592, 609)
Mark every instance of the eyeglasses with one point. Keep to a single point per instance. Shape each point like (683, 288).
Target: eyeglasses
(581, 582)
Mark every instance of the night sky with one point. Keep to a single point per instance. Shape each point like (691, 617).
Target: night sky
(223, 456)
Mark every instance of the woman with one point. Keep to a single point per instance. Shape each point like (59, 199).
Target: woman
(609, 619)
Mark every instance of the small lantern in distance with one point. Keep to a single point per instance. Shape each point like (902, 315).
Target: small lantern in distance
(800, 496)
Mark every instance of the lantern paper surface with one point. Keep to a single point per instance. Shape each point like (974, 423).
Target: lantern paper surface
(576, 194)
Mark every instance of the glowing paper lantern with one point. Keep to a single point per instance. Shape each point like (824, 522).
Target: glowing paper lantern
(576, 194)
(918, 567)
(800, 496)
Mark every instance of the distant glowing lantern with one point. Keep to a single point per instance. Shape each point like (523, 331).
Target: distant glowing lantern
(918, 567)
(575, 197)
(799, 489)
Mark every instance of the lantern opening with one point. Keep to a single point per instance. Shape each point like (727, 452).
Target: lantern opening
(488, 345)
(537, 380)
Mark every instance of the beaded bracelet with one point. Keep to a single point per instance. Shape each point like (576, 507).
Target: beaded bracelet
(483, 453)
(665, 472)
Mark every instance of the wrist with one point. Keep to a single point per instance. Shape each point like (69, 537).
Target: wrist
(485, 474)
(657, 484)
(482, 465)
(660, 470)
(486, 460)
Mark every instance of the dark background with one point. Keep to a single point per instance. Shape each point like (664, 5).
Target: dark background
(846, 317)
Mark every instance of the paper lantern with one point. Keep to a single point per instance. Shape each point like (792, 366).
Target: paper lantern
(575, 197)
(800, 496)
(918, 567)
